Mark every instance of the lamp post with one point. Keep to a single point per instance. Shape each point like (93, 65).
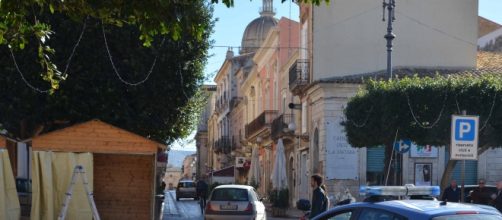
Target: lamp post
(390, 5)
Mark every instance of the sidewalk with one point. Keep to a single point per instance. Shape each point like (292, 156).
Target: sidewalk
(291, 212)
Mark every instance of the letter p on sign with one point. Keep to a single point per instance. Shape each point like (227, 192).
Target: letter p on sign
(465, 130)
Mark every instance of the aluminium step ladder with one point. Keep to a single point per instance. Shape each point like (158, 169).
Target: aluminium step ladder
(79, 169)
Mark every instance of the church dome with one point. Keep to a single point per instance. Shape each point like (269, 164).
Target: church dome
(257, 30)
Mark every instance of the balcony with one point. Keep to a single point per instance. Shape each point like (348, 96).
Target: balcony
(263, 121)
(222, 145)
(234, 102)
(221, 105)
(299, 76)
(280, 126)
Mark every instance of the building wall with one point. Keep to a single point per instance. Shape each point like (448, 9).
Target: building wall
(189, 166)
(172, 177)
(326, 103)
(490, 166)
(348, 36)
(489, 38)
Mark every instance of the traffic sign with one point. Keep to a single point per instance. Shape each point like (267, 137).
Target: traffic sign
(402, 146)
(464, 137)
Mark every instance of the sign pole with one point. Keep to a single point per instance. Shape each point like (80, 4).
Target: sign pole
(464, 142)
(462, 193)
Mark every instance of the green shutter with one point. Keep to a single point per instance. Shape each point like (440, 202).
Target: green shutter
(471, 171)
(375, 159)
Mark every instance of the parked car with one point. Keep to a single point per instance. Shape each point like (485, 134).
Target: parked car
(234, 202)
(392, 203)
(186, 189)
(410, 210)
(469, 188)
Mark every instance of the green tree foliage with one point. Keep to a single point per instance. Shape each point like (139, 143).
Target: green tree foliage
(163, 108)
(421, 109)
(21, 23)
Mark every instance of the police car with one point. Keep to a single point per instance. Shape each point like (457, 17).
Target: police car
(377, 206)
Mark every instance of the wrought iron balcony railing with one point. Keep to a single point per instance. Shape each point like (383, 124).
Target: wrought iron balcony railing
(280, 126)
(299, 76)
(262, 121)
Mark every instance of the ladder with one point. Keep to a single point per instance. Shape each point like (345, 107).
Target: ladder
(79, 169)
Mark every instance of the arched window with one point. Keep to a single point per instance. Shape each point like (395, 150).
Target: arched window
(315, 152)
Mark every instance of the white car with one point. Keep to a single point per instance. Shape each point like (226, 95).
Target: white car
(234, 202)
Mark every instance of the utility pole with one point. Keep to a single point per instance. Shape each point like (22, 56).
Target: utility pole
(390, 5)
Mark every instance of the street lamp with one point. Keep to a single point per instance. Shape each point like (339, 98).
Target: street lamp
(390, 5)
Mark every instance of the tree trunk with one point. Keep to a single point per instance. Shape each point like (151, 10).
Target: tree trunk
(389, 170)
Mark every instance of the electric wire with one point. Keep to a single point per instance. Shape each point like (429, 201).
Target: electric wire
(119, 76)
(84, 26)
(421, 124)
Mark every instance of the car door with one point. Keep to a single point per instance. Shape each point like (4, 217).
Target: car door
(260, 208)
(378, 214)
(347, 214)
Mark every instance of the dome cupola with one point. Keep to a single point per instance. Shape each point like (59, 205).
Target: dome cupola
(257, 30)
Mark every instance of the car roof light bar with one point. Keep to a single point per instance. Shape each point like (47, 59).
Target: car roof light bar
(407, 190)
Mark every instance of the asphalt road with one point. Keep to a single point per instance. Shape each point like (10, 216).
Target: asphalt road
(180, 210)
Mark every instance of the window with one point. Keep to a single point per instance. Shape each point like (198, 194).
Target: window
(344, 215)
(186, 184)
(375, 214)
(230, 194)
(315, 152)
(304, 117)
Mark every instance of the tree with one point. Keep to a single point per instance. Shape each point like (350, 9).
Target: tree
(420, 109)
(162, 108)
(20, 23)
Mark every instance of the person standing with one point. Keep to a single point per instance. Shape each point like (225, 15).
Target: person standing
(201, 189)
(451, 193)
(481, 195)
(319, 199)
(497, 198)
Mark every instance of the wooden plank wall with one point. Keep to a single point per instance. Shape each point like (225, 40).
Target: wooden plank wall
(123, 186)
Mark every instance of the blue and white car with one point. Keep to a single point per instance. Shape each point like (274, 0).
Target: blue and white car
(408, 209)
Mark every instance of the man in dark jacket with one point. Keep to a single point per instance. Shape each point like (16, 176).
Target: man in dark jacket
(451, 193)
(201, 189)
(497, 200)
(481, 194)
(319, 199)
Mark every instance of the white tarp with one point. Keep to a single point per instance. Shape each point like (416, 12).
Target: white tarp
(52, 172)
(9, 202)
(254, 170)
(279, 177)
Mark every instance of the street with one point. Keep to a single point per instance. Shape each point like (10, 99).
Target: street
(189, 209)
(183, 209)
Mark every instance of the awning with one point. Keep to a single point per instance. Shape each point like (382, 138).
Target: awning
(227, 171)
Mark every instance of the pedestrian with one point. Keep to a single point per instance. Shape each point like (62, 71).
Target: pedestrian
(325, 188)
(497, 198)
(319, 199)
(451, 193)
(201, 190)
(481, 194)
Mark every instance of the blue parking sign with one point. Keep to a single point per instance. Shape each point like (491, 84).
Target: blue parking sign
(464, 137)
(465, 129)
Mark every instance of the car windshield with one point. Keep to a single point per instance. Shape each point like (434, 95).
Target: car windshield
(468, 217)
(186, 184)
(229, 194)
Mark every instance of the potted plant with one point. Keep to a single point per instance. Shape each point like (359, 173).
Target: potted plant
(280, 201)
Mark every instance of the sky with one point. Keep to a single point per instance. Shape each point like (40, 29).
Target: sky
(231, 23)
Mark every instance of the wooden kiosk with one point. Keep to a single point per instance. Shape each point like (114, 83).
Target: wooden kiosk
(124, 166)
